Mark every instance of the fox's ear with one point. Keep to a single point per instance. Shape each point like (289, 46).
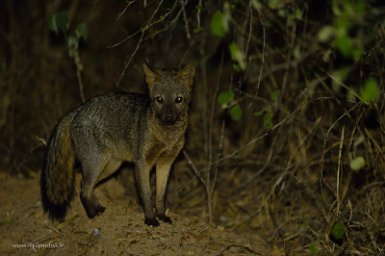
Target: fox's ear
(186, 74)
(151, 76)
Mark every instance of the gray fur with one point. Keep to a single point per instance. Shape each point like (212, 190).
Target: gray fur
(111, 129)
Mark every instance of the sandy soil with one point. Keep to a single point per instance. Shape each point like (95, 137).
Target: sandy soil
(25, 229)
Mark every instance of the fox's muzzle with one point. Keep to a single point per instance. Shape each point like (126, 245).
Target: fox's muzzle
(168, 115)
(169, 120)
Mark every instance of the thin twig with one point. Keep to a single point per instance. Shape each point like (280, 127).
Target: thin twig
(165, 27)
(193, 166)
(143, 30)
(199, 15)
(125, 9)
(148, 25)
(184, 3)
(80, 81)
(327, 136)
(209, 166)
(130, 59)
(250, 29)
(339, 172)
(262, 62)
(263, 53)
(252, 141)
(124, 39)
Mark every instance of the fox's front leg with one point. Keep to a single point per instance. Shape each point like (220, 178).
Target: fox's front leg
(142, 172)
(163, 167)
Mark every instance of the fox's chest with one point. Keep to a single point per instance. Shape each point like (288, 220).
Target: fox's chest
(163, 145)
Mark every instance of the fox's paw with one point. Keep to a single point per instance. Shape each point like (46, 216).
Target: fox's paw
(95, 211)
(165, 218)
(92, 207)
(100, 210)
(151, 222)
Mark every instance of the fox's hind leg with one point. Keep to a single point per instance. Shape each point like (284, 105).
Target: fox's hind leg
(91, 173)
(94, 170)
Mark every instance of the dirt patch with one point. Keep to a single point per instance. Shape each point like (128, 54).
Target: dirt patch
(25, 229)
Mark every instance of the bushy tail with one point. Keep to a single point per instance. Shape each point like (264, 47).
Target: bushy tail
(57, 177)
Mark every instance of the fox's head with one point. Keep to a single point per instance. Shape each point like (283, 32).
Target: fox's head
(169, 92)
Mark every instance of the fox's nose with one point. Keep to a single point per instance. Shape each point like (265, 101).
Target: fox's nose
(169, 119)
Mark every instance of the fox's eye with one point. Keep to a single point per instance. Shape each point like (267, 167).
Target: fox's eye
(178, 99)
(159, 99)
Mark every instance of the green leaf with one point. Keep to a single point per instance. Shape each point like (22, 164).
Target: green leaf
(357, 52)
(72, 42)
(276, 4)
(259, 113)
(236, 112)
(81, 31)
(345, 45)
(297, 52)
(274, 95)
(359, 7)
(357, 163)
(359, 141)
(326, 55)
(338, 230)
(370, 93)
(219, 24)
(256, 4)
(298, 14)
(336, 8)
(59, 22)
(325, 33)
(313, 249)
(225, 98)
(197, 30)
(338, 78)
(268, 120)
(351, 95)
(237, 55)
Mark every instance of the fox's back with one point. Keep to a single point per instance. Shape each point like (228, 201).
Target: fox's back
(110, 108)
(109, 121)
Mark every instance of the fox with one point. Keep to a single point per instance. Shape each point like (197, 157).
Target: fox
(147, 130)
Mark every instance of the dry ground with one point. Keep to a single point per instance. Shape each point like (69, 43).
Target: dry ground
(25, 229)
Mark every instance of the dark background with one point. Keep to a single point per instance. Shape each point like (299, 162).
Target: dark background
(283, 167)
